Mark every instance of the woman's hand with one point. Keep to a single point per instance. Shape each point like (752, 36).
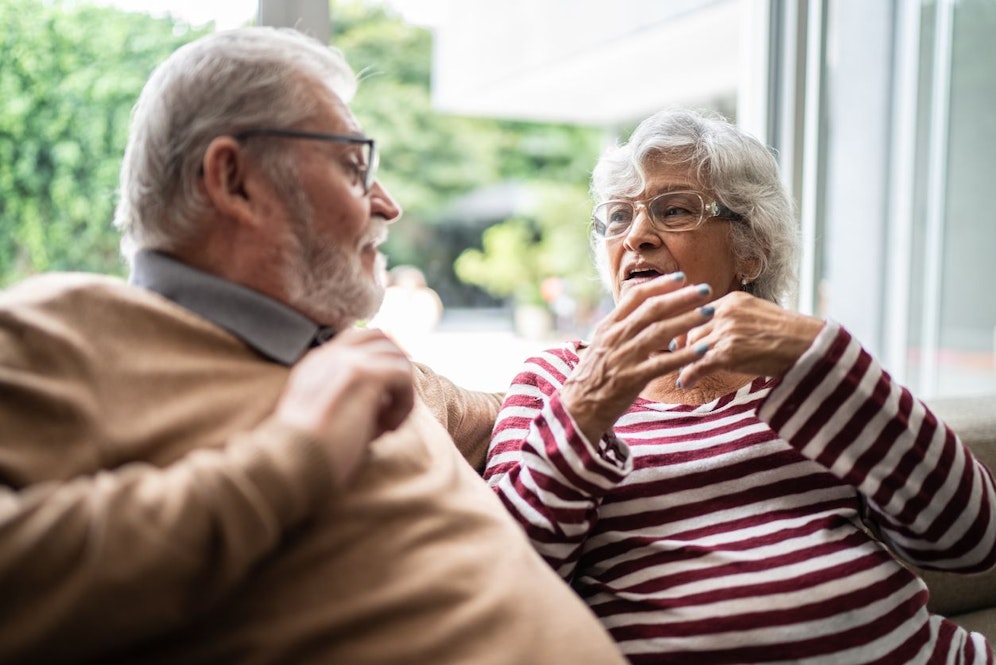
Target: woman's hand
(629, 349)
(750, 336)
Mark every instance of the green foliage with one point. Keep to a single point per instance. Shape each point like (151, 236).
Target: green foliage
(518, 254)
(69, 75)
(426, 157)
(509, 263)
(563, 216)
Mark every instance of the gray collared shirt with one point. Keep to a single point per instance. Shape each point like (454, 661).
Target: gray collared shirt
(267, 325)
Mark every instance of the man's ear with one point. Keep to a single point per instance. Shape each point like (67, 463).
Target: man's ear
(224, 179)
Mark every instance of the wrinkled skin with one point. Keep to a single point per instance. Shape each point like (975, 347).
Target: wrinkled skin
(679, 291)
(741, 337)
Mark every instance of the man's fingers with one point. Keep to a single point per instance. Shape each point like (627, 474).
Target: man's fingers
(397, 406)
(398, 401)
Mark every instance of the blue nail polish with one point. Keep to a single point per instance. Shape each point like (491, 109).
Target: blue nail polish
(677, 276)
(701, 348)
(673, 346)
(707, 310)
(704, 289)
(677, 384)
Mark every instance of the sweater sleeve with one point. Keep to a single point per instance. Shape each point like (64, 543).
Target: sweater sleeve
(99, 562)
(925, 492)
(468, 415)
(547, 474)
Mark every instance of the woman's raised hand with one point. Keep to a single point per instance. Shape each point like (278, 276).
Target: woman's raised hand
(750, 336)
(630, 347)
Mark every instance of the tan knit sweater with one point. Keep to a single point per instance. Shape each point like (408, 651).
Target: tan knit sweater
(139, 522)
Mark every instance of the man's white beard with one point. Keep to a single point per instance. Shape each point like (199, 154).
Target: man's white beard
(334, 284)
(325, 280)
(329, 282)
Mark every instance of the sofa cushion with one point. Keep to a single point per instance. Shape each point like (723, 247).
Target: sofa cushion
(952, 595)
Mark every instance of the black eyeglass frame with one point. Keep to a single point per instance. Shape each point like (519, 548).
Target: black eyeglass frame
(709, 210)
(368, 171)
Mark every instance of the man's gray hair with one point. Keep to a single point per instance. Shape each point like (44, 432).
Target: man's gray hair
(732, 165)
(220, 84)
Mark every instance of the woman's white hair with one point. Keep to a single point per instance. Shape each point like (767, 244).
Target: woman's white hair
(732, 165)
(220, 84)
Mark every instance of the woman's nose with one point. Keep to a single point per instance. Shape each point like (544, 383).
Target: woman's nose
(642, 231)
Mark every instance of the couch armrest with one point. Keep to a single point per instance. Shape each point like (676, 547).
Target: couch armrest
(974, 420)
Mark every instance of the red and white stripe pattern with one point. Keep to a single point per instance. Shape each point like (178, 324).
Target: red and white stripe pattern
(732, 532)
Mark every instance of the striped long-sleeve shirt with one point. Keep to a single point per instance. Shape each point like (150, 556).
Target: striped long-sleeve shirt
(740, 531)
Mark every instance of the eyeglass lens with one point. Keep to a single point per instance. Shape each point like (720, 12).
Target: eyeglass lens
(675, 211)
(364, 165)
(372, 163)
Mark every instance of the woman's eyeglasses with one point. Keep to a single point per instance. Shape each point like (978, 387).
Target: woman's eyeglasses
(671, 211)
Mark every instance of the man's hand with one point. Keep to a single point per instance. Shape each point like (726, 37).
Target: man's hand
(347, 393)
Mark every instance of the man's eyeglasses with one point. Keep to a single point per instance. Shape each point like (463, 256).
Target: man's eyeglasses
(366, 171)
(671, 211)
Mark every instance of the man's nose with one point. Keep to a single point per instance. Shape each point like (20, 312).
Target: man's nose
(383, 204)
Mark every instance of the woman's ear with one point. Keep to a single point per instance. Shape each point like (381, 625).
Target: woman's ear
(224, 179)
(750, 269)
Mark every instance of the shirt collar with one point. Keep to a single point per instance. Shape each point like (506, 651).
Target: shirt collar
(267, 325)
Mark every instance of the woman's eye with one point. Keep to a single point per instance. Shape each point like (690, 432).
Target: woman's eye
(672, 206)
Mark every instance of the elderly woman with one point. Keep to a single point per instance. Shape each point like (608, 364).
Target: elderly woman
(722, 479)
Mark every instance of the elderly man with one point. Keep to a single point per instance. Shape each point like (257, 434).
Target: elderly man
(172, 491)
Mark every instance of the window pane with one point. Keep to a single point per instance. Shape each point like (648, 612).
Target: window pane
(965, 320)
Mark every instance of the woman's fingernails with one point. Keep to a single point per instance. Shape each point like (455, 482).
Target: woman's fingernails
(677, 384)
(703, 289)
(707, 310)
(677, 276)
(673, 346)
(701, 348)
